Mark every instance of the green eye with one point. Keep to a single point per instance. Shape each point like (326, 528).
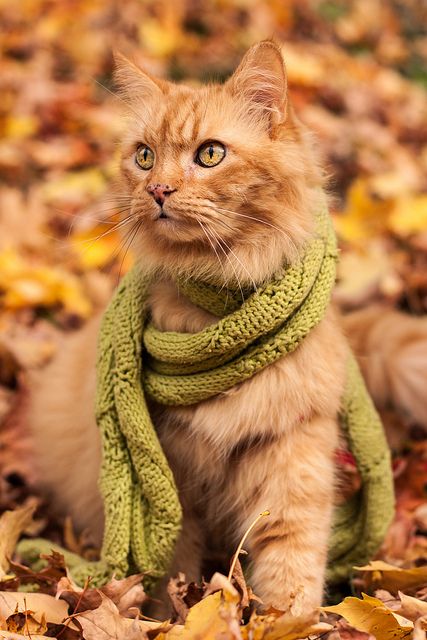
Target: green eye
(144, 157)
(210, 154)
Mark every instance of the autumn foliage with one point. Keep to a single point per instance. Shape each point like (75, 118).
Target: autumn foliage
(357, 77)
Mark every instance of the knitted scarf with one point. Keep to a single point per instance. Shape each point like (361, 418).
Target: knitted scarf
(136, 361)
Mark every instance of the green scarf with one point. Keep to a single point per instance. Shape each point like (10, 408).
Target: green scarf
(142, 508)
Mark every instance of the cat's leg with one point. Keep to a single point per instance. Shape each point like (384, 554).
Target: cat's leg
(294, 479)
(187, 559)
(189, 550)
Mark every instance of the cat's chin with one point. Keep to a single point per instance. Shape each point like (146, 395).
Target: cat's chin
(172, 231)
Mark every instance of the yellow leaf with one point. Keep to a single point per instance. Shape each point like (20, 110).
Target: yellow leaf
(365, 215)
(28, 292)
(394, 578)
(282, 628)
(25, 285)
(372, 616)
(11, 266)
(409, 216)
(20, 127)
(159, 40)
(93, 249)
(209, 618)
(71, 295)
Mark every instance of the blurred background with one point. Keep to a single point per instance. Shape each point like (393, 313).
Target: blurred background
(357, 76)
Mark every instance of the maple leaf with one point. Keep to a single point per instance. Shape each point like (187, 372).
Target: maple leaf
(372, 616)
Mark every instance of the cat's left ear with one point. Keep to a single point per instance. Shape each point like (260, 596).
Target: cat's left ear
(261, 81)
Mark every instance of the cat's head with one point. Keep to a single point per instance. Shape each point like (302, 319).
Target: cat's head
(221, 177)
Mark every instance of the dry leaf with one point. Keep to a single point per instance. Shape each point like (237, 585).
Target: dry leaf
(372, 616)
(412, 608)
(106, 623)
(12, 524)
(393, 578)
(40, 604)
(210, 618)
(8, 635)
(409, 216)
(125, 594)
(420, 629)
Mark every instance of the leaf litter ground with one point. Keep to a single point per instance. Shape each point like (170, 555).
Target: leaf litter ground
(357, 78)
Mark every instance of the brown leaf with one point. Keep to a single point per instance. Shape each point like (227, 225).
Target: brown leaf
(240, 583)
(177, 590)
(47, 578)
(106, 623)
(126, 594)
(40, 604)
(12, 524)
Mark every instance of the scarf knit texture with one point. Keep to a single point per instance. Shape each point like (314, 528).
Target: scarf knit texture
(136, 361)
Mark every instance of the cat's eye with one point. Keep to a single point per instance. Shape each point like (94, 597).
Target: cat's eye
(209, 154)
(144, 157)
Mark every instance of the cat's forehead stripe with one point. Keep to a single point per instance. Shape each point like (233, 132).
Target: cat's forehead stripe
(181, 122)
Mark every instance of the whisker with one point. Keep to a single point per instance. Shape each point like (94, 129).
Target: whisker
(105, 220)
(219, 259)
(116, 227)
(220, 221)
(243, 215)
(219, 240)
(132, 236)
(288, 239)
(241, 263)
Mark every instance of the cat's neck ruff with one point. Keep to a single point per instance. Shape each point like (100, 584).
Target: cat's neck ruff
(272, 321)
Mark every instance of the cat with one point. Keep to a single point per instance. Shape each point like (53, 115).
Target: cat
(224, 180)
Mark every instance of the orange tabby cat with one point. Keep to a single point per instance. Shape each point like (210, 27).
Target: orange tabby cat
(224, 182)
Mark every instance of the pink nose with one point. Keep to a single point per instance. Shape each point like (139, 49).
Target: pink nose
(159, 192)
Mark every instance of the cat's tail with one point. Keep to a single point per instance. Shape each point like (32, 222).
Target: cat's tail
(391, 348)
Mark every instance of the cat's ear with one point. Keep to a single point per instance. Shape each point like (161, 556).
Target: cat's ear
(133, 82)
(261, 81)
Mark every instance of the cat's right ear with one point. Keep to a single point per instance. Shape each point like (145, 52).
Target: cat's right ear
(132, 82)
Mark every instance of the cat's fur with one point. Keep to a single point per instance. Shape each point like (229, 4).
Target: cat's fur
(268, 443)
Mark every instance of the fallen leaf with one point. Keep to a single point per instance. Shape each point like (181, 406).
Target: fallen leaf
(420, 629)
(12, 524)
(282, 628)
(409, 216)
(18, 636)
(106, 623)
(412, 608)
(126, 594)
(387, 576)
(40, 604)
(372, 616)
(210, 618)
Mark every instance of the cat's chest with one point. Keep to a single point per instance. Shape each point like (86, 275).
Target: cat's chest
(281, 397)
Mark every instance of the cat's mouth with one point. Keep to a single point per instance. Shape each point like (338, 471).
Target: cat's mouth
(162, 215)
(174, 228)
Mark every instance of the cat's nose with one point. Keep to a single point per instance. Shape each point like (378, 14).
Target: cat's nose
(160, 191)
